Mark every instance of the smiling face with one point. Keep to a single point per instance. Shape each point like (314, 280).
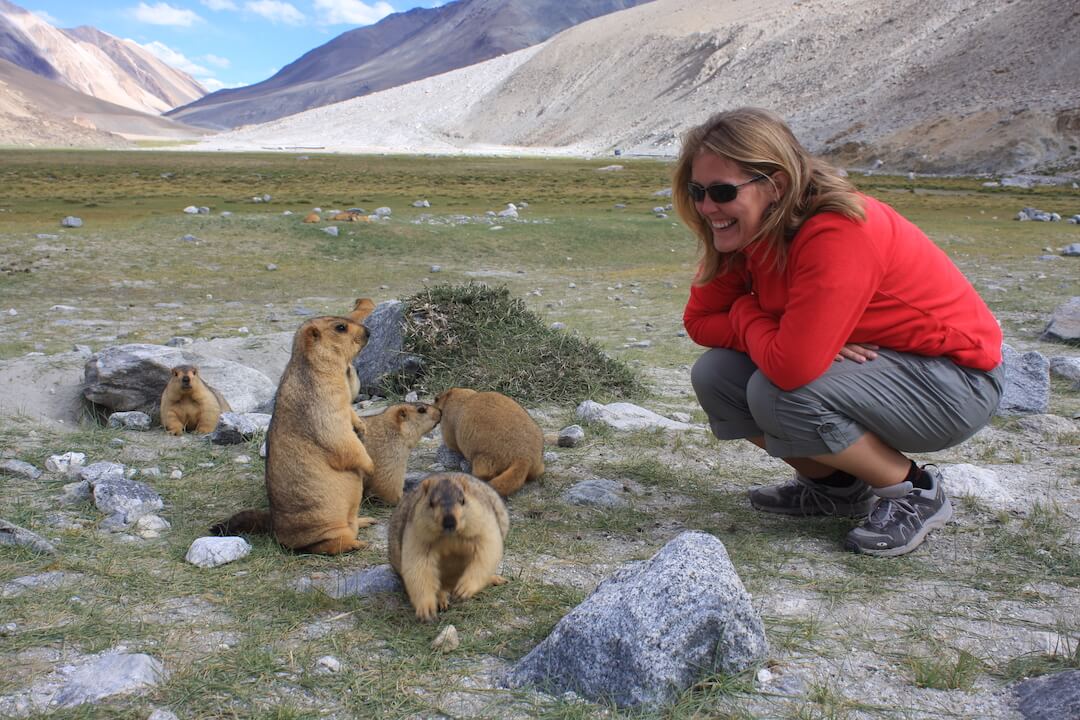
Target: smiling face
(734, 224)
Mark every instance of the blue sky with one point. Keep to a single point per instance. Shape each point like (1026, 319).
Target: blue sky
(222, 43)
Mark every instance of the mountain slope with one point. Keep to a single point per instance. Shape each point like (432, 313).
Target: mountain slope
(93, 62)
(957, 86)
(399, 49)
(35, 112)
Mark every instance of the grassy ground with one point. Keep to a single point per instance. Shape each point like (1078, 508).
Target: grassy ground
(938, 633)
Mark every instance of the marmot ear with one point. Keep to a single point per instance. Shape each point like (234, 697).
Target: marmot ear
(312, 334)
(425, 484)
(402, 415)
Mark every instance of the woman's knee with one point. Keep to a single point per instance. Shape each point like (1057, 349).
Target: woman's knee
(720, 370)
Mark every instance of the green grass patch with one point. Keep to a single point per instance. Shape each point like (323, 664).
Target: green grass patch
(481, 337)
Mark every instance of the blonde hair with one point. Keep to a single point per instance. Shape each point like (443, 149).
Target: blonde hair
(761, 143)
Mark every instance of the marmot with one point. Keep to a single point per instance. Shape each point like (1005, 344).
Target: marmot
(446, 540)
(315, 461)
(389, 437)
(361, 309)
(312, 218)
(188, 403)
(495, 434)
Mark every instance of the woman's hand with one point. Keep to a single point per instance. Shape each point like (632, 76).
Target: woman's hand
(859, 352)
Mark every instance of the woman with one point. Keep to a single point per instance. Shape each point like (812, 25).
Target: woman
(841, 337)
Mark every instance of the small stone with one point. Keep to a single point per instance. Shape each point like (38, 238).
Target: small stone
(210, 552)
(447, 641)
(18, 468)
(71, 221)
(68, 463)
(571, 436)
(327, 664)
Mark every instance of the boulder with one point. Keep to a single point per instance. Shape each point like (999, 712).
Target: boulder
(383, 356)
(132, 377)
(652, 630)
(1027, 383)
(1064, 324)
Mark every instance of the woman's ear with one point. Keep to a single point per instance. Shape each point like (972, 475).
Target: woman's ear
(779, 185)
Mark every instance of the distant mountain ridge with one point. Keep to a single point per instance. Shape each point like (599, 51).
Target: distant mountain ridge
(957, 86)
(93, 62)
(399, 49)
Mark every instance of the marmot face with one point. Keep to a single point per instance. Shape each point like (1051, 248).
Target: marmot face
(333, 337)
(185, 373)
(446, 499)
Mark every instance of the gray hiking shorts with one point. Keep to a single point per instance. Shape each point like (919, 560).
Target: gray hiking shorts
(912, 403)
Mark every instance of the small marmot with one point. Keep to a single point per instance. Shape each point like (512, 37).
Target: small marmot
(389, 437)
(504, 445)
(315, 461)
(446, 540)
(189, 403)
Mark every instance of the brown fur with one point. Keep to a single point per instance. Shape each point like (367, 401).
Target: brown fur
(189, 403)
(350, 216)
(312, 218)
(389, 437)
(446, 540)
(504, 445)
(361, 309)
(315, 461)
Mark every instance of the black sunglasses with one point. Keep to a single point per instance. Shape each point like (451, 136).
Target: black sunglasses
(718, 192)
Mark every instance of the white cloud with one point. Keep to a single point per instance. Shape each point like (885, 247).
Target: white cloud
(174, 59)
(213, 84)
(276, 11)
(219, 4)
(351, 12)
(217, 61)
(47, 17)
(165, 14)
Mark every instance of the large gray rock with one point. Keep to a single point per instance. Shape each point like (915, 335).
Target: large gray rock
(383, 356)
(132, 377)
(18, 468)
(1050, 697)
(1027, 383)
(651, 630)
(1066, 367)
(1065, 322)
(86, 681)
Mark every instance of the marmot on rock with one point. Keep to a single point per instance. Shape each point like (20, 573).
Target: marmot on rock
(189, 403)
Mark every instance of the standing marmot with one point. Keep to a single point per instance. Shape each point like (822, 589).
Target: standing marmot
(188, 403)
(446, 540)
(388, 437)
(495, 434)
(315, 462)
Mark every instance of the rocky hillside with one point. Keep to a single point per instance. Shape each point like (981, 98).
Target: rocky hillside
(401, 48)
(955, 86)
(93, 62)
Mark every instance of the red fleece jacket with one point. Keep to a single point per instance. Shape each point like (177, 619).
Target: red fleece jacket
(881, 282)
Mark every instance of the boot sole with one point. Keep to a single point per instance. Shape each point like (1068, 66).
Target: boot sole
(935, 521)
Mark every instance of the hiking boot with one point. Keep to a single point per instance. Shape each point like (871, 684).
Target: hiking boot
(803, 496)
(902, 519)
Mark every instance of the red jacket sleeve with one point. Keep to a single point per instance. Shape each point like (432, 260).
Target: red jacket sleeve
(706, 315)
(832, 273)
